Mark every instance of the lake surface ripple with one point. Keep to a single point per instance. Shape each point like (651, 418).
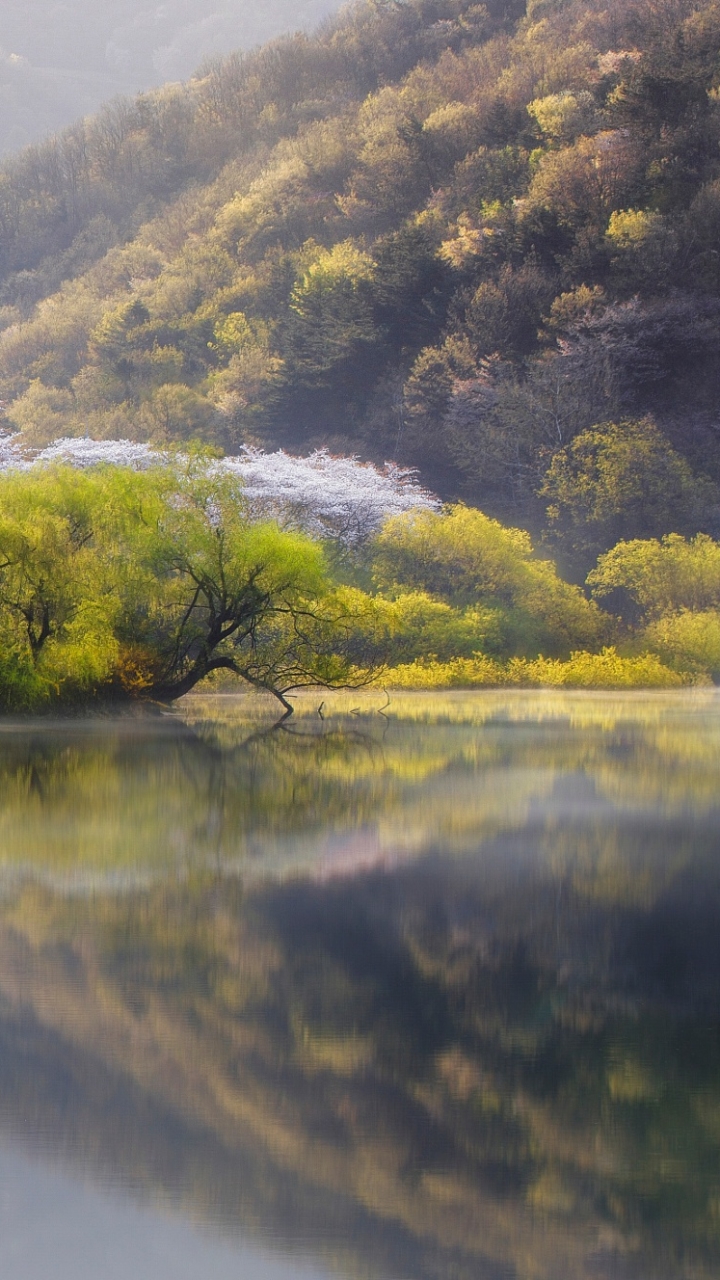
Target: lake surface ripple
(425, 990)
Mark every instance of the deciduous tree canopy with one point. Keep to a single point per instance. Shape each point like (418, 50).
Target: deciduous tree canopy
(122, 584)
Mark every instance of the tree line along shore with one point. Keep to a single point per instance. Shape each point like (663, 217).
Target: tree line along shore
(479, 240)
(133, 584)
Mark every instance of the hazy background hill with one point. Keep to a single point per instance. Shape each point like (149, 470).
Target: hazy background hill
(59, 61)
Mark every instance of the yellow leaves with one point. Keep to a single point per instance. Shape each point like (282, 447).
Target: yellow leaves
(175, 412)
(578, 304)
(41, 413)
(457, 673)
(463, 555)
(461, 550)
(135, 668)
(622, 478)
(605, 670)
(413, 624)
(662, 575)
(238, 391)
(631, 228)
(266, 201)
(686, 639)
(86, 654)
(451, 119)
(467, 243)
(455, 128)
(582, 670)
(139, 580)
(345, 265)
(550, 1194)
(233, 332)
(344, 1056)
(629, 1081)
(563, 116)
(588, 180)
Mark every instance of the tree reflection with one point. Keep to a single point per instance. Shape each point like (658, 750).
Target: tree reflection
(412, 1044)
(443, 1066)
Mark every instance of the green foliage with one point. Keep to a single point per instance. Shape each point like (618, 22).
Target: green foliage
(57, 613)
(670, 590)
(661, 576)
(582, 670)
(330, 329)
(479, 672)
(621, 480)
(42, 413)
(115, 584)
(564, 116)
(413, 624)
(463, 557)
(687, 640)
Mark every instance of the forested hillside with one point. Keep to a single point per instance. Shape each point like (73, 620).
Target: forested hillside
(475, 240)
(62, 61)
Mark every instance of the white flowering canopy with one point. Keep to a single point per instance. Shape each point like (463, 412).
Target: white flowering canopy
(326, 496)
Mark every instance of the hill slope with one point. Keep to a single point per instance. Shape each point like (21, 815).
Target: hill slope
(60, 62)
(456, 235)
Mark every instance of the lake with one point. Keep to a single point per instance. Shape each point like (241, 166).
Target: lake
(418, 989)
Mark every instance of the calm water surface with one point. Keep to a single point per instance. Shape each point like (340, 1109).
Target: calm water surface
(432, 993)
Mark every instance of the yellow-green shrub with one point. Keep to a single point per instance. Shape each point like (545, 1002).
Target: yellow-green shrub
(662, 575)
(687, 640)
(605, 670)
(463, 557)
(583, 670)
(457, 673)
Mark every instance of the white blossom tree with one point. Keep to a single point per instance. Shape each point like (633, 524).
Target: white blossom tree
(326, 496)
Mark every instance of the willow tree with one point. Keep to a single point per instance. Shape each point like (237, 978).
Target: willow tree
(116, 584)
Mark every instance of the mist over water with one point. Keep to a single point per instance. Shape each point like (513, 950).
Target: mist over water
(425, 990)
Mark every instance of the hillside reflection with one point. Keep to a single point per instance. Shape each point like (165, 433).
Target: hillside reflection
(432, 997)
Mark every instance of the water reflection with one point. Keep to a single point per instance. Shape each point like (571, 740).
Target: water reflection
(430, 996)
(52, 1225)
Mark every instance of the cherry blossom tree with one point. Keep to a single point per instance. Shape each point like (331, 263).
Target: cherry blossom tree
(325, 496)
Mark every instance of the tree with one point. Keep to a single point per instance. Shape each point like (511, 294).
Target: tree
(503, 317)
(227, 593)
(324, 496)
(661, 575)
(669, 590)
(57, 613)
(125, 584)
(329, 337)
(621, 480)
(585, 182)
(465, 558)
